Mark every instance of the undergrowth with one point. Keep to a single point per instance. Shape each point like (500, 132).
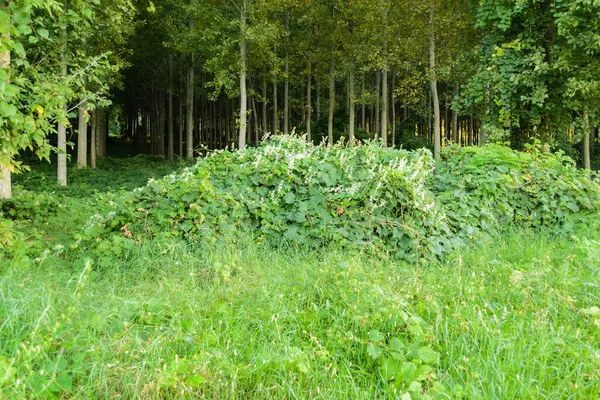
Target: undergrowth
(113, 295)
(518, 319)
(363, 197)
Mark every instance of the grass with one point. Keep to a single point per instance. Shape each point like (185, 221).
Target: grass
(513, 318)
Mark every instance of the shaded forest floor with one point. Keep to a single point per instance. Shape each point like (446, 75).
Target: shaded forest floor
(515, 317)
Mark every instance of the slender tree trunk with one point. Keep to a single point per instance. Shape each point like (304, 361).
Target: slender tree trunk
(255, 115)
(586, 141)
(171, 144)
(363, 110)
(62, 139)
(377, 104)
(384, 88)
(189, 139)
(82, 137)
(5, 178)
(265, 123)
(331, 100)
(433, 81)
(93, 140)
(384, 108)
(482, 135)
(181, 118)
(308, 102)
(352, 105)
(455, 117)
(243, 94)
(318, 105)
(393, 109)
(275, 110)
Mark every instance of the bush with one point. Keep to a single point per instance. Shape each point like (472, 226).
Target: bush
(367, 197)
(290, 191)
(484, 187)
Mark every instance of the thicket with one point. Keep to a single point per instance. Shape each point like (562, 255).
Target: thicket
(367, 197)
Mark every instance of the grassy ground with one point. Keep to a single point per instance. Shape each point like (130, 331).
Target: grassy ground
(515, 318)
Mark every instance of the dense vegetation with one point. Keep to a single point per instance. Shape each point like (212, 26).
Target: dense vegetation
(299, 199)
(213, 280)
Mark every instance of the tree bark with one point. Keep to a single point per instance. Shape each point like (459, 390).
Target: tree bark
(352, 105)
(384, 108)
(586, 141)
(265, 123)
(377, 104)
(433, 82)
(189, 134)
(93, 140)
(275, 110)
(455, 117)
(5, 178)
(243, 94)
(363, 110)
(82, 137)
(309, 101)
(62, 140)
(255, 117)
(393, 109)
(170, 140)
(331, 100)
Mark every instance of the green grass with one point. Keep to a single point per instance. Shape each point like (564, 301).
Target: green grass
(170, 320)
(512, 318)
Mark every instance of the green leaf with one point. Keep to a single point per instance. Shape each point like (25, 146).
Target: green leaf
(43, 33)
(289, 198)
(374, 351)
(389, 369)
(65, 380)
(376, 336)
(428, 355)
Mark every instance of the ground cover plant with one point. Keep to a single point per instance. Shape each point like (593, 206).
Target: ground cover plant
(363, 197)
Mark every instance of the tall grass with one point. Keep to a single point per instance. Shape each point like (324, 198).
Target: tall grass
(167, 320)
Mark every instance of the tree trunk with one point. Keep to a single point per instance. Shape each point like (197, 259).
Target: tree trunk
(351, 95)
(189, 134)
(62, 140)
(393, 110)
(308, 101)
(265, 123)
(384, 108)
(5, 178)
(275, 111)
(433, 81)
(585, 156)
(286, 100)
(243, 94)
(82, 137)
(363, 111)
(93, 140)
(331, 100)
(318, 105)
(455, 116)
(377, 104)
(170, 143)
(181, 118)
(255, 115)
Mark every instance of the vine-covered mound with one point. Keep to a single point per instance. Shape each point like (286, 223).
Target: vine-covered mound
(291, 191)
(481, 188)
(366, 196)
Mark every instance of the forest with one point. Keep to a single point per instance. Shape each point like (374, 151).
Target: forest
(299, 199)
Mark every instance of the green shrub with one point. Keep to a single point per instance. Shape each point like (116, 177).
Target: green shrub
(367, 197)
(28, 205)
(484, 187)
(290, 191)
